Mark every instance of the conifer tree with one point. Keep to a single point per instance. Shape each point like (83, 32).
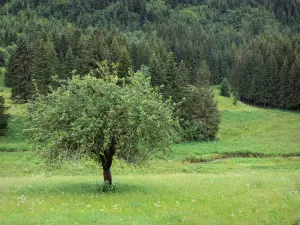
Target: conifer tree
(9, 76)
(69, 64)
(96, 50)
(200, 114)
(272, 85)
(3, 116)
(203, 76)
(44, 62)
(156, 70)
(2, 62)
(180, 80)
(22, 88)
(125, 63)
(284, 90)
(225, 88)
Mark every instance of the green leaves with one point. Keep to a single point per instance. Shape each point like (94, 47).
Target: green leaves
(81, 118)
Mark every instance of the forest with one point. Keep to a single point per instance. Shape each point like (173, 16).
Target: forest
(184, 46)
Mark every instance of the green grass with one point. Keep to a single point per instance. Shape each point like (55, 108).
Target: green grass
(14, 140)
(230, 198)
(249, 175)
(246, 131)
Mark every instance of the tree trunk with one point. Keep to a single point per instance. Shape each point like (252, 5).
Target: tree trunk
(107, 159)
(107, 176)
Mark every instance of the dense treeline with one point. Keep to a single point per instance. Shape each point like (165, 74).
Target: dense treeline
(184, 45)
(267, 71)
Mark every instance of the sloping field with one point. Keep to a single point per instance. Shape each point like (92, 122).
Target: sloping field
(232, 180)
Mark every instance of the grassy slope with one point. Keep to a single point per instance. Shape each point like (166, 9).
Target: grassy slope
(247, 130)
(170, 191)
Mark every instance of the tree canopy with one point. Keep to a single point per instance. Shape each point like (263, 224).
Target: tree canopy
(102, 118)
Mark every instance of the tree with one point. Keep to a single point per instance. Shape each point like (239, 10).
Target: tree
(69, 64)
(3, 57)
(9, 76)
(199, 114)
(125, 63)
(203, 76)
(21, 83)
(98, 118)
(225, 88)
(3, 116)
(44, 62)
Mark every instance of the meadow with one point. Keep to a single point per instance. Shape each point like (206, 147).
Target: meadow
(249, 175)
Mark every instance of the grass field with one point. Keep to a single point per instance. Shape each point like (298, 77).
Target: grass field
(249, 175)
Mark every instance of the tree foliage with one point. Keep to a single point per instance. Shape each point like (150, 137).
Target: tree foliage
(98, 118)
(225, 88)
(200, 115)
(3, 116)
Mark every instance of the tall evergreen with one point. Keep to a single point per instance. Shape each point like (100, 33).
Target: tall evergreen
(3, 116)
(19, 74)
(200, 114)
(225, 88)
(125, 63)
(69, 64)
(10, 75)
(203, 76)
(44, 62)
(96, 50)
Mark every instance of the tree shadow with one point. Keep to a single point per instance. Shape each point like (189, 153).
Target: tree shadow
(82, 188)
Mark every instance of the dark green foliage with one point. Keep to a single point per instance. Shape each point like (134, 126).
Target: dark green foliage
(95, 50)
(200, 114)
(225, 88)
(19, 73)
(11, 71)
(44, 62)
(236, 98)
(2, 63)
(125, 63)
(3, 116)
(68, 65)
(203, 76)
(266, 71)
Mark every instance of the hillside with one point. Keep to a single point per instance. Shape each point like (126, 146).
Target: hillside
(176, 188)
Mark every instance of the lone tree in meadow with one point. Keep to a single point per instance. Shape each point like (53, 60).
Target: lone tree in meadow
(102, 118)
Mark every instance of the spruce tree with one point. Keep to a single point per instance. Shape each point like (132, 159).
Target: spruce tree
(180, 80)
(225, 88)
(22, 88)
(156, 70)
(69, 64)
(284, 90)
(2, 62)
(96, 50)
(199, 114)
(125, 63)
(44, 63)
(3, 116)
(203, 76)
(10, 75)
